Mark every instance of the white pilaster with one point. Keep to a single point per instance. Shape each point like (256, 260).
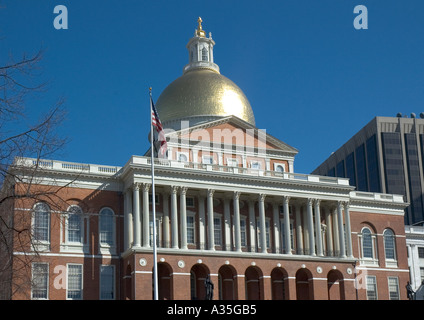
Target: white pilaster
(276, 225)
(336, 240)
(165, 224)
(146, 215)
(211, 239)
(252, 226)
(318, 227)
(202, 222)
(341, 230)
(310, 228)
(261, 199)
(183, 217)
(348, 230)
(174, 218)
(236, 217)
(227, 224)
(299, 230)
(329, 235)
(136, 209)
(286, 214)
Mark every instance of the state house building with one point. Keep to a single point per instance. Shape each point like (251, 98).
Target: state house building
(228, 205)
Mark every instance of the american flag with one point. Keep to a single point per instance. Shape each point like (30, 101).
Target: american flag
(159, 140)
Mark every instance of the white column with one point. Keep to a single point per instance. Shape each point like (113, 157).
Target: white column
(174, 218)
(348, 230)
(128, 233)
(183, 217)
(299, 231)
(211, 239)
(236, 217)
(227, 224)
(318, 227)
(330, 249)
(261, 199)
(165, 224)
(146, 215)
(341, 230)
(335, 232)
(252, 226)
(310, 228)
(276, 225)
(136, 209)
(305, 229)
(202, 222)
(286, 213)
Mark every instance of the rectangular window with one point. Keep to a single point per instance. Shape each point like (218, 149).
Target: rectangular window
(361, 168)
(207, 159)
(217, 231)
(40, 281)
(232, 162)
(255, 165)
(350, 169)
(243, 231)
(393, 288)
(74, 291)
(393, 163)
(373, 168)
(267, 230)
(190, 229)
(421, 252)
(371, 288)
(107, 282)
(190, 202)
(422, 274)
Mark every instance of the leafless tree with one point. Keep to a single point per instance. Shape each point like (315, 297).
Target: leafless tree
(23, 137)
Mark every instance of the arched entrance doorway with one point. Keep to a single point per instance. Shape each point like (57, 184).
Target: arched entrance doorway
(127, 283)
(304, 285)
(254, 284)
(198, 275)
(279, 284)
(335, 285)
(164, 281)
(227, 277)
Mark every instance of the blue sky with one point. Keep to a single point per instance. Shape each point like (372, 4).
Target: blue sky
(312, 79)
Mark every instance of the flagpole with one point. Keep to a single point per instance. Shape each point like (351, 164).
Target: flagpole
(155, 271)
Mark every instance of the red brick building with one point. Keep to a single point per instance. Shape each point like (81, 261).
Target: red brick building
(228, 205)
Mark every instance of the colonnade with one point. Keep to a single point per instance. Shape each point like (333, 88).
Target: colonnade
(308, 226)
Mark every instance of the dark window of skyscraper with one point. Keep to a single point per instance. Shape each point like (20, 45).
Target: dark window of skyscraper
(372, 160)
(393, 164)
(361, 168)
(415, 190)
(350, 169)
(331, 172)
(340, 170)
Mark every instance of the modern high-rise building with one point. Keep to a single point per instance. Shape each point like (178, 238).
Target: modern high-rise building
(384, 156)
(228, 206)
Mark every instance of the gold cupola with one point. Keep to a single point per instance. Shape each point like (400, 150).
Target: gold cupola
(202, 94)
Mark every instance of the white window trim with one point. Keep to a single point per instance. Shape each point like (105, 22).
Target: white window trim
(218, 216)
(368, 261)
(106, 248)
(375, 286)
(397, 284)
(267, 230)
(113, 283)
(186, 154)
(276, 165)
(82, 279)
(208, 157)
(256, 162)
(193, 215)
(77, 247)
(41, 245)
(32, 280)
(232, 162)
(390, 263)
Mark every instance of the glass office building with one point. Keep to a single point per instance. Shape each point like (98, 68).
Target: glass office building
(384, 156)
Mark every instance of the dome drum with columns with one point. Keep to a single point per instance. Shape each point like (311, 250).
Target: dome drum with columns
(202, 94)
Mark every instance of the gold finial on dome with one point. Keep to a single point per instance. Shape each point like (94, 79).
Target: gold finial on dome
(200, 32)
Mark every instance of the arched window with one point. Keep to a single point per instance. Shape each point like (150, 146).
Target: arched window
(75, 224)
(205, 54)
(106, 227)
(41, 222)
(367, 244)
(389, 244)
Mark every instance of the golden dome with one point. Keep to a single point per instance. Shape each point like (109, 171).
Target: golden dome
(203, 93)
